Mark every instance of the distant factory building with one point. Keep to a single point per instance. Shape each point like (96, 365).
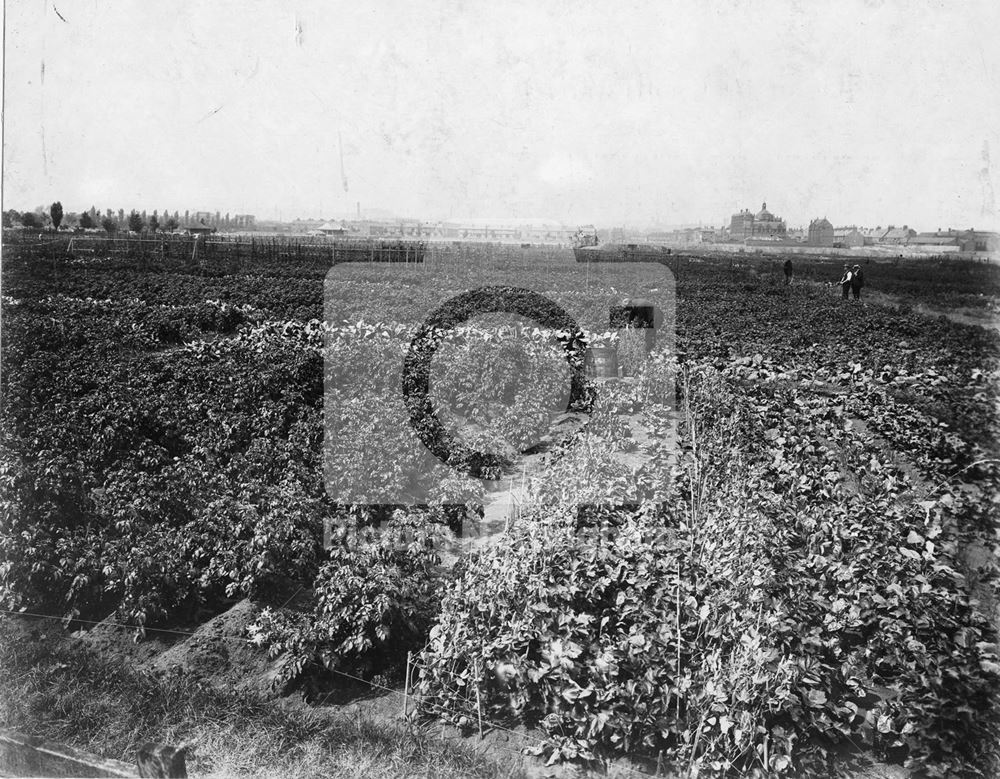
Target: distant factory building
(763, 224)
(821, 232)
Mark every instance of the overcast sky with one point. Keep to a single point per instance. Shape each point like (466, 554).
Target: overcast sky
(606, 112)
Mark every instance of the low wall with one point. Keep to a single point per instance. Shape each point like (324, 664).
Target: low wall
(883, 251)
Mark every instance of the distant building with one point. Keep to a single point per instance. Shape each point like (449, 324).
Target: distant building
(741, 226)
(200, 225)
(970, 240)
(938, 241)
(244, 221)
(981, 241)
(199, 229)
(682, 237)
(949, 240)
(897, 236)
(820, 233)
(763, 224)
(848, 237)
(332, 228)
(871, 234)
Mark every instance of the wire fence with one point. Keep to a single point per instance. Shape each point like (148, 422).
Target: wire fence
(225, 251)
(470, 700)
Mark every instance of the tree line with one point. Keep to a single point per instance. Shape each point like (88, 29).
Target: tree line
(112, 221)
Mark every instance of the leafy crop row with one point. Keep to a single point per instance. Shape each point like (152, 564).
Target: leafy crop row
(760, 621)
(796, 588)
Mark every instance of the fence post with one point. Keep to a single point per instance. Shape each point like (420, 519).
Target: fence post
(159, 761)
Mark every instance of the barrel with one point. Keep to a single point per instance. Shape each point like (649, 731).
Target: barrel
(602, 362)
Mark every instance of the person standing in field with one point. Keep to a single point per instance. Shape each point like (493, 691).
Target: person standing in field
(788, 272)
(845, 282)
(857, 282)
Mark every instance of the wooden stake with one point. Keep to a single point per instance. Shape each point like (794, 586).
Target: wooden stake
(479, 705)
(406, 686)
(677, 593)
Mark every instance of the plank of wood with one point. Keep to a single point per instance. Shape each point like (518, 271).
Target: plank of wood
(22, 755)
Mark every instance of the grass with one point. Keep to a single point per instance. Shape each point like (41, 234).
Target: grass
(68, 693)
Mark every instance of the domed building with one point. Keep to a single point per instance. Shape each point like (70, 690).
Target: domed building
(763, 224)
(767, 225)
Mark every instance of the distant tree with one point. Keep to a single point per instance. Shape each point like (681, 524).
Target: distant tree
(172, 223)
(121, 216)
(87, 221)
(56, 212)
(135, 222)
(110, 225)
(154, 222)
(10, 216)
(31, 220)
(187, 218)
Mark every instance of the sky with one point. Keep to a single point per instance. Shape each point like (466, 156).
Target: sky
(633, 113)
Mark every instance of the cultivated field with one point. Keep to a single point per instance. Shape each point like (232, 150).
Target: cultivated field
(787, 567)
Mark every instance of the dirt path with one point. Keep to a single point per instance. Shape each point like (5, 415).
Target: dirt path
(506, 497)
(963, 316)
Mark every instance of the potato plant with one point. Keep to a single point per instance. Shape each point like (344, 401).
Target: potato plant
(795, 590)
